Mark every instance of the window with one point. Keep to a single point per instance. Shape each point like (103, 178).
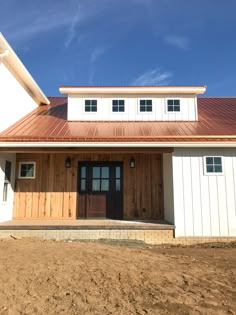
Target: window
(173, 105)
(100, 178)
(7, 180)
(145, 106)
(213, 165)
(118, 105)
(27, 170)
(90, 105)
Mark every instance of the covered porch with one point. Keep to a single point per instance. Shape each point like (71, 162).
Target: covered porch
(70, 184)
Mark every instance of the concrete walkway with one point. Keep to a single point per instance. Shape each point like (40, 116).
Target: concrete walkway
(88, 224)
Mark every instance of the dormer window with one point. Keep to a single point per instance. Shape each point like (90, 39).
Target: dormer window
(90, 106)
(173, 105)
(145, 106)
(118, 105)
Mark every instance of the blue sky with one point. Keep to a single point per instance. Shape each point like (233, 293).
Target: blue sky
(124, 42)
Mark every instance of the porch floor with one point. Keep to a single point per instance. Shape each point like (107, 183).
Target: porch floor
(96, 224)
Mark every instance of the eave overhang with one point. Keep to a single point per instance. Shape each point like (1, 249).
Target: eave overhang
(180, 144)
(16, 67)
(142, 90)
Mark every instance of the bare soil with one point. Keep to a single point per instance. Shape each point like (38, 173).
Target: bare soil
(58, 277)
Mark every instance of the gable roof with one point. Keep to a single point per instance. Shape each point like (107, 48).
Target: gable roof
(9, 58)
(217, 123)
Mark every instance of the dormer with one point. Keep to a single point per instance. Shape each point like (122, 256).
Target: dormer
(132, 103)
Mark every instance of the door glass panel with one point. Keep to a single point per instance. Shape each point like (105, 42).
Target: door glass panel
(96, 172)
(117, 172)
(83, 172)
(83, 185)
(117, 184)
(105, 172)
(105, 185)
(96, 185)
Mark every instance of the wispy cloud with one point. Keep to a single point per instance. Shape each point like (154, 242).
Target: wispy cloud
(178, 41)
(44, 18)
(95, 55)
(72, 27)
(153, 77)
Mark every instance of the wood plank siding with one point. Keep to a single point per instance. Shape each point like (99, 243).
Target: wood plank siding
(53, 193)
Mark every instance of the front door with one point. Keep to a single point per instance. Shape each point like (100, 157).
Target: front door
(100, 190)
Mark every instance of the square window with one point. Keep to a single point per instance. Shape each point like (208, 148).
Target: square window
(145, 105)
(90, 105)
(213, 165)
(173, 105)
(118, 105)
(27, 170)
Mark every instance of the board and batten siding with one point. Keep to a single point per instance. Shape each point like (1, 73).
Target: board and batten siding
(204, 205)
(52, 194)
(6, 208)
(168, 188)
(15, 101)
(76, 111)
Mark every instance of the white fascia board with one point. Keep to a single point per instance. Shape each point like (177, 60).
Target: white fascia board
(117, 145)
(16, 67)
(193, 90)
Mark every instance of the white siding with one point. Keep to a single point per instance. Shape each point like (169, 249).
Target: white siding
(76, 111)
(204, 205)
(15, 101)
(6, 208)
(168, 188)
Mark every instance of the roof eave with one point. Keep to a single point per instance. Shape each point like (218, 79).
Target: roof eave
(194, 90)
(184, 144)
(16, 67)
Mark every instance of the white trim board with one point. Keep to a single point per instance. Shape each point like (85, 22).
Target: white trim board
(117, 144)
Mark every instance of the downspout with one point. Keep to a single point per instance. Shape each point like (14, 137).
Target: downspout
(4, 54)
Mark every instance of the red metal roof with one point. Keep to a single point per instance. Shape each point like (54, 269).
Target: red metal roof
(217, 122)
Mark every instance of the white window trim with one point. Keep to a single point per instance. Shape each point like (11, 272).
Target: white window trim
(90, 99)
(173, 98)
(205, 165)
(9, 184)
(118, 99)
(19, 171)
(145, 99)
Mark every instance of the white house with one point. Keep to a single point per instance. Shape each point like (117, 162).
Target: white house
(154, 152)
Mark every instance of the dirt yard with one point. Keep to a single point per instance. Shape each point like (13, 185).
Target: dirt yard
(50, 277)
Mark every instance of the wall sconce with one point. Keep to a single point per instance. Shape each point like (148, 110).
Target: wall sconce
(132, 163)
(68, 162)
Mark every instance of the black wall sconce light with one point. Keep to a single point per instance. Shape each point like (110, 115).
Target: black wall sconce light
(68, 162)
(132, 163)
